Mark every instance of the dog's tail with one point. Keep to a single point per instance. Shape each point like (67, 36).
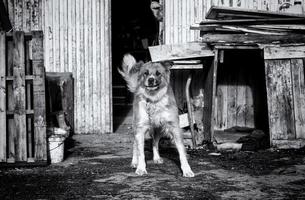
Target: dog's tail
(130, 70)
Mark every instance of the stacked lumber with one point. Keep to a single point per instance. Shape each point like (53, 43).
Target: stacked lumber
(237, 25)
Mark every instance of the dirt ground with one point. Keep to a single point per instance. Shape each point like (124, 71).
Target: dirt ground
(97, 167)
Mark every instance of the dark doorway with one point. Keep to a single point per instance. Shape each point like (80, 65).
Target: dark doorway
(134, 28)
(241, 97)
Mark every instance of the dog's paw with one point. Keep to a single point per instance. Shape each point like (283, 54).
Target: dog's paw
(158, 161)
(133, 165)
(141, 172)
(188, 173)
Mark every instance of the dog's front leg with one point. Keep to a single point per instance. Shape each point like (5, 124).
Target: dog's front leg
(139, 139)
(177, 137)
(134, 162)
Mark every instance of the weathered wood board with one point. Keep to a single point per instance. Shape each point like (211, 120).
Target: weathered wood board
(39, 97)
(19, 95)
(210, 81)
(298, 83)
(289, 52)
(286, 94)
(2, 98)
(280, 99)
(252, 38)
(221, 12)
(179, 51)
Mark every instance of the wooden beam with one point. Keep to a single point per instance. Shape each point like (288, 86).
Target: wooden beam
(253, 30)
(280, 52)
(289, 144)
(298, 86)
(294, 27)
(39, 97)
(255, 21)
(19, 96)
(179, 51)
(209, 99)
(2, 98)
(252, 38)
(219, 12)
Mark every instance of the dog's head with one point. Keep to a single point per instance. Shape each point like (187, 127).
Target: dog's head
(149, 79)
(154, 76)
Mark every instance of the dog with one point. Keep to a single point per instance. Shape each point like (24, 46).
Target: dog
(154, 107)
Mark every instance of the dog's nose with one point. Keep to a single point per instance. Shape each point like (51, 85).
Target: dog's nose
(151, 81)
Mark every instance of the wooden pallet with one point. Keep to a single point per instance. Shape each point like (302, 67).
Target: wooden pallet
(22, 99)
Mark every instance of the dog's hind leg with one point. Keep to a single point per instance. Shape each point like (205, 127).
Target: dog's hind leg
(139, 137)
(134, 162)
(156, 156)
(176, 134)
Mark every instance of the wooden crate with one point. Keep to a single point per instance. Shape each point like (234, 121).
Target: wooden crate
(60, 97)
(22, 99)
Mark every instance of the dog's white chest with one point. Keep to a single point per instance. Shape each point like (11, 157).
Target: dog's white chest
(157, 112)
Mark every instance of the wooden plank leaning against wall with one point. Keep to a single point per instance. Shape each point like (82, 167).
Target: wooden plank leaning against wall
(25, 140)
(2, 98)
(19, 96)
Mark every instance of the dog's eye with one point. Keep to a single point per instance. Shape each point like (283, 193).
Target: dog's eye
(158, 73)
(146, 73)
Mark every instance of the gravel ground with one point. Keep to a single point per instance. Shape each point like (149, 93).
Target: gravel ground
(97, 167)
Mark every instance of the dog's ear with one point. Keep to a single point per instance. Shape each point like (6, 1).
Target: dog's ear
(167, 64)
(136, 67)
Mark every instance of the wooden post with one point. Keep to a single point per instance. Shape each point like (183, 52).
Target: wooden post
(209, 99)
(19, 95)
(11, 131)
(2, 98)
(190, 108)
(39, 97)
(298, 83)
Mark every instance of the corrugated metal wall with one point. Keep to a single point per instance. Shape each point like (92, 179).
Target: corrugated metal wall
(181, 14)
(76, 39)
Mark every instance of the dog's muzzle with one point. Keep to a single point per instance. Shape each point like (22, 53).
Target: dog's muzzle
(152, 84)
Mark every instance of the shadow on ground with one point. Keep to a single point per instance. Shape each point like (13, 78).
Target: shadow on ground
(97, 167)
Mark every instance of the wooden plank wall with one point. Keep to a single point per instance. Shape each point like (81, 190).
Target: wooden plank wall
(76, 39)
(181, 14)
(286, 93)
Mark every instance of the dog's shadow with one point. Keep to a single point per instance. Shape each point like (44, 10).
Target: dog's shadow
(166, 149)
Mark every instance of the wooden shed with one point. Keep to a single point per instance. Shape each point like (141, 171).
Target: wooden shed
(258, 86)
(255, 78)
